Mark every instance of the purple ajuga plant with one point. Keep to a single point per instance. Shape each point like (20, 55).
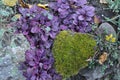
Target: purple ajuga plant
(40, 27)
(35, 24)
(39, 66)
(74, 15)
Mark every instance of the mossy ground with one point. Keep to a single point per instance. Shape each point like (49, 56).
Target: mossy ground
(71, 50)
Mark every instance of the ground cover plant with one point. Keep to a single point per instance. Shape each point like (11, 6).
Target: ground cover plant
(71, 51)
(40, 27)
(65, 36)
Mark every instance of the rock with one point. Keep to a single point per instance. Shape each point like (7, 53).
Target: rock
(107, 28)
(96, 73)
(5, 61)
(11, 53)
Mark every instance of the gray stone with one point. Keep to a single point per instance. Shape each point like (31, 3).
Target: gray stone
(106, 28)
(5, 61)
(96, 73)
(12, 51)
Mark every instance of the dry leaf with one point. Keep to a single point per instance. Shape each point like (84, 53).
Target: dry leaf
(89, 59)
(44, 6)
(17, 16)
(23, 4)
(96, 20)
(103, 58)
(103, 1)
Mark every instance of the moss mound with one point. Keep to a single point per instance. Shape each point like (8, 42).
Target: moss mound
(71, 50)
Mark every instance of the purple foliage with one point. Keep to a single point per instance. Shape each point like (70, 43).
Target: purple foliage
(39, 66)
(74, 14)
(35, 23)
(37, 27)
(40, 27)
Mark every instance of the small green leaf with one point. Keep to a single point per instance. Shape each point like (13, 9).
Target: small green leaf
(47, 29)
(50, 16)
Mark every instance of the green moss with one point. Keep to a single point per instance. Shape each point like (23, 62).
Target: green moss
(71, 50)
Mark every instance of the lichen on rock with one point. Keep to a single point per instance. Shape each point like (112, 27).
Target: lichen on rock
(9, 2)
(12, 49)
(71, 50)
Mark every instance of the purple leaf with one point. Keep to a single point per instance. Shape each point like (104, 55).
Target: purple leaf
(62, 27)
(31, 63)
(80, 18)
(40, 64)
(52, 34)
(44, 37)
(29, 72)
(35, 29)
(33, 77)
(47, 45)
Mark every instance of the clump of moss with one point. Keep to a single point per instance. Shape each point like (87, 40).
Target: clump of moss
(71, 50)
